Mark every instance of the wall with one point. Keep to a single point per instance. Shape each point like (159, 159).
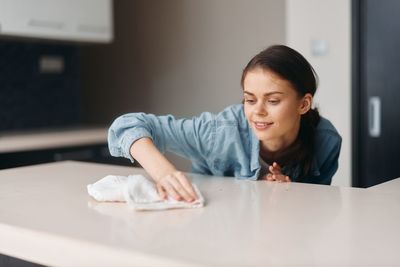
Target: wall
(184, 57)
(328, 21)
(178, 56)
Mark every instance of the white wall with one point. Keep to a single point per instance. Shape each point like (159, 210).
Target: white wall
(329, 21)
(178, 56)
(201, 71)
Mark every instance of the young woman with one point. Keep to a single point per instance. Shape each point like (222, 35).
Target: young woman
(274, 135)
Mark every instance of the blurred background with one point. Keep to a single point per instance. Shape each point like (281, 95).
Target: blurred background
(68, 69)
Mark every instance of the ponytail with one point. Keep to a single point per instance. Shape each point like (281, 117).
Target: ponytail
(308, 124)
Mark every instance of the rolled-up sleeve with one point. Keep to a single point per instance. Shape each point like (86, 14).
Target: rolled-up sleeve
(190, 138)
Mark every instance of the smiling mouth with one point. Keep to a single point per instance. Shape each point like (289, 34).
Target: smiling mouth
(262, 125)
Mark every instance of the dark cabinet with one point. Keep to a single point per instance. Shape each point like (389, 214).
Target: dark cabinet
(91, 153)
(8, 261)
(376, 91)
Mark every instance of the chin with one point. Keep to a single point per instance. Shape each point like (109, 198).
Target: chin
(264, 136)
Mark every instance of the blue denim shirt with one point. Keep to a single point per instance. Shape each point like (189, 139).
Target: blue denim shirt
(220, 144)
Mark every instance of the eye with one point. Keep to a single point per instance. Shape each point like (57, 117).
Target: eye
(274, 101)
(249, 101)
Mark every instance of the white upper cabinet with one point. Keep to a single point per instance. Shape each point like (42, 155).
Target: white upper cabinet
(71, 20)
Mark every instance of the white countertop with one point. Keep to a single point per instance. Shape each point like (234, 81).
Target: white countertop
(16, 142)
(46, 216)
(392, 186)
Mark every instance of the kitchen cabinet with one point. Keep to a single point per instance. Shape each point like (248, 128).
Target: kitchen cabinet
(89, 153)
(376, 94)
(82, 21)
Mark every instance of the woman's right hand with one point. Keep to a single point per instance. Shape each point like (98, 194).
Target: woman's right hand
(168, 180)
(177, 186)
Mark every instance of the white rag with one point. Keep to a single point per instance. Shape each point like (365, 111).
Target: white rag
(139, 192)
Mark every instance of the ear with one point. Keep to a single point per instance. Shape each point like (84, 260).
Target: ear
(305, 104)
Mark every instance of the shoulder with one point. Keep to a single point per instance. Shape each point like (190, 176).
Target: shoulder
(232, 111)
(208, 121)
(232, 116)
(326, 133)
(328, 142)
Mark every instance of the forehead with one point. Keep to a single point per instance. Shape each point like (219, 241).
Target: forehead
(259, 81)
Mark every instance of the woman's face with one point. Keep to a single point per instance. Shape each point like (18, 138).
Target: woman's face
(273, 108)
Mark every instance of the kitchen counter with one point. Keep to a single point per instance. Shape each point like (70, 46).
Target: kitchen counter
(392, 186)
(25, 141)
(47, 217)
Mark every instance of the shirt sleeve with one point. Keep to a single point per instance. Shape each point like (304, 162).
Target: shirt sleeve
(331, 164)
(190, 138)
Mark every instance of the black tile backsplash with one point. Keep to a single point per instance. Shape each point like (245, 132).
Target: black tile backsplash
(31, 99)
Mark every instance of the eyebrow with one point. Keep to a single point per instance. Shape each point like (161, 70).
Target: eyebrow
(267, 94)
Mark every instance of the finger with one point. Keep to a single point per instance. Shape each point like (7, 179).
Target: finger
(171, 190)
(278, 177)
(288, 179)
(179, 188)
(282, 178)
(273, 170)
(161, 192)
(268, 177)
(187, 186)
(276, 166)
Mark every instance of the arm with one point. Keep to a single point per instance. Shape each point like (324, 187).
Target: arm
(192, 139)
(327, 157)
(145, 137)
(331, 165)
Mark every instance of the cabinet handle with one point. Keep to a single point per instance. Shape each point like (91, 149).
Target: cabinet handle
(92, 28)
(55, 25)
(374, 116)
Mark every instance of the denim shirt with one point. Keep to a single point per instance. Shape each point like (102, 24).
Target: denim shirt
(220, 144)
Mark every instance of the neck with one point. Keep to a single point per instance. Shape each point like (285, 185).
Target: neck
(270, 148)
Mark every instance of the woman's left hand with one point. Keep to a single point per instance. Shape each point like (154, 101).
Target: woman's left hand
(275, 174)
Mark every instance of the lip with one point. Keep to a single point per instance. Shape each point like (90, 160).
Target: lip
(262, 125)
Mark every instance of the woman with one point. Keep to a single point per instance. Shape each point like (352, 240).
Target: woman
(274, 135)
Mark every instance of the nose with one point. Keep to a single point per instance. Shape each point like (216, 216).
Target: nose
(260, 109)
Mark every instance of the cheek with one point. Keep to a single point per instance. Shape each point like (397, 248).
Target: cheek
(282, 111)
(284, 114)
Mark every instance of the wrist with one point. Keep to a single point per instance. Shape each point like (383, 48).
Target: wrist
(164, 173)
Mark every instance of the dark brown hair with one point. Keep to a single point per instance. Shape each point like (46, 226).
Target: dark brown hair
(291, 66)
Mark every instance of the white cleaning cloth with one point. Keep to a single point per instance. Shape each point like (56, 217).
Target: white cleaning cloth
(110, 188)
(139, 192)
